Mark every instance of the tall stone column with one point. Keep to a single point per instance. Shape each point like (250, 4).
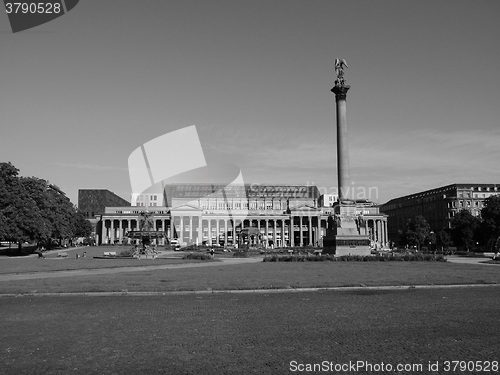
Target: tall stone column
(120, 230)
(181, 230)
(225, 232)
(233, 225)
(275, 237)
(190, 229)
(282, 233)
(309, 218)
(340, 91)
(172, 228)
(301, 233)
(210, 231)
(217, 228)
(318, 235)
(104, 233)
(200, 231)
(112, 232)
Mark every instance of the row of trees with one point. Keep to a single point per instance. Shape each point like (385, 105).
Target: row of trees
(467, 231)
(31, 210)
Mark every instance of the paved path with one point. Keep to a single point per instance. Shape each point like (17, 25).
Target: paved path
(105, 271)
(469, 260)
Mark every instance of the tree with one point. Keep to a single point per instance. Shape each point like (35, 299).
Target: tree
(33, 210)
(491, 215)
(22, 220)
(82, 227)
(443, 239)
(463, 229)
(416, 231)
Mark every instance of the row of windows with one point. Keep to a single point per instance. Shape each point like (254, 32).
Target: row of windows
(151, 197)
(243, 205)
(462, 204)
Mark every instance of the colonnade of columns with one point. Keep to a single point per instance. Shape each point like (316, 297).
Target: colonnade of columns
(306, 230)
(377, 230)
(114, 230)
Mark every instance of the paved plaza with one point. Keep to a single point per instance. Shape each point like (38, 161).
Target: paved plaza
(248, 333)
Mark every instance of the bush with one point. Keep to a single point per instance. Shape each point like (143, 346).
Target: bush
(356, 258)
(241, 254)
(127, 252)
(197, 256)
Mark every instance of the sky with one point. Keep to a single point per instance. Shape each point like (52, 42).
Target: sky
(79, 94)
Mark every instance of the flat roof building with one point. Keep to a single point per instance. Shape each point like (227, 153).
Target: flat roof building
(92, 202)
(438, 206)
(213, 214)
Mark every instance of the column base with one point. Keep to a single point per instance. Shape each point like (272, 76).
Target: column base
(346, 238)
(339, 245)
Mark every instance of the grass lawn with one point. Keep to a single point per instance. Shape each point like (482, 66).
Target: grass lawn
(262, 275)
(54, 263)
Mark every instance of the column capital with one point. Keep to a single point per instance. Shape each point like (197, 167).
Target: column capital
(340, 91)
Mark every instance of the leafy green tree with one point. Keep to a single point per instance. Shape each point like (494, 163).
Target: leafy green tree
(33, 210)
(491, 215)
(21, 217)
(82, 227)
(443, 239)
(416, 231)
(463, 229)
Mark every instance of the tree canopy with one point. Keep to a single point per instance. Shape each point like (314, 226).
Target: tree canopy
(417, 230)
(463, 229)
(33, 210)
(491, 215)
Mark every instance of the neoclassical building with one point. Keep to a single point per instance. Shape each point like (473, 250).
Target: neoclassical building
(265, 215)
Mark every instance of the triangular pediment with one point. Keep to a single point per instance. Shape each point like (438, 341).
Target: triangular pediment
(186, 207)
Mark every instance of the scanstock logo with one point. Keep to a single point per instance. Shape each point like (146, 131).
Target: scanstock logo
(26, 14)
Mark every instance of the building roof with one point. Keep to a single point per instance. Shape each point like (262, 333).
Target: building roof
(194, 191)
(444, 189)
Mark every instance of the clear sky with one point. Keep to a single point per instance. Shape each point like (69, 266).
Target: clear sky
(79, 94)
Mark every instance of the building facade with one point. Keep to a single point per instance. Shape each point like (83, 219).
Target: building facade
(263, 215)
(438, 206)
(92, 202)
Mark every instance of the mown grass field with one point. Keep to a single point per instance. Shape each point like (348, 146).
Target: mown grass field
(261, 275)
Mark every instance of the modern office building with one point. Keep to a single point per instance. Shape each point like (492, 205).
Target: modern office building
(438, 206)
(264, 215)
(92, 202)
